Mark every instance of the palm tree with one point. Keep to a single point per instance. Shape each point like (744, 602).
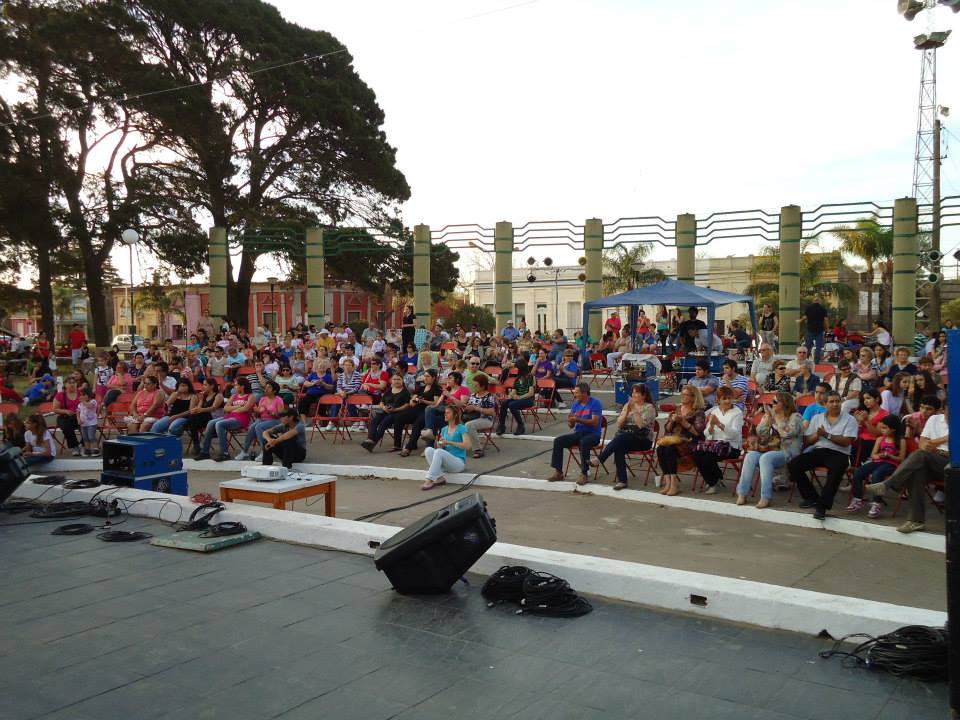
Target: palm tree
(162, 301)
(869, 242)
(765, 274)
(623, 269)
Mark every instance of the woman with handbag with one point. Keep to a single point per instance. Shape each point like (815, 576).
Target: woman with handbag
(778, 440)
(634, 432)
(722, 438)
(683, 429)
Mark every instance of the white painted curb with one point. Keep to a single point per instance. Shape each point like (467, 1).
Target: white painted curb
(717, 597)
(844, 526)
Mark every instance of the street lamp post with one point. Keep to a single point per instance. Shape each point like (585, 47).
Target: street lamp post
(130, 237)
(273, 302)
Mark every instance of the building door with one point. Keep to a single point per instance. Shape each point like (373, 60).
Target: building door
(542, 317)
(574, 316)
(519, 312)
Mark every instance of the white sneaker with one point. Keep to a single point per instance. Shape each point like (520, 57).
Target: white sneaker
(939, 497)
(561, 404)
(242, 455)
(329, 427)
(358, 427)
(76, 452)
(259, 458)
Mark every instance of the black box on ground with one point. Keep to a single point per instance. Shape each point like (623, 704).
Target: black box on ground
(429, 556)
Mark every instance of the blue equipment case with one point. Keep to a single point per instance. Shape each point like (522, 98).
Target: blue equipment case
(622, 389)
(145, 461)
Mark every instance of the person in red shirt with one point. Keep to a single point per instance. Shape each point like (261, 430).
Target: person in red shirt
(613, 323)
(41, 350)
(76, 340)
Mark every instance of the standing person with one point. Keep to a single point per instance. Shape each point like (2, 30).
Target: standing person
(87, 419)
(686, 425)
(888, 452)
(613, 323)
(663, 327)
(288, 440)
(830, 438)
(268, 410)
(635, 432)
(65, 405)
(779, 440)
(408, 327)
(585, 419)
(237, 413)
(816, 316)
(450, 454)
(924, 465)
(769, 327)
(723, 438)
(520, 397)
(39, 445)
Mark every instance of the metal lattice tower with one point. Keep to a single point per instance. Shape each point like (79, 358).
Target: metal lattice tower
(927, 115)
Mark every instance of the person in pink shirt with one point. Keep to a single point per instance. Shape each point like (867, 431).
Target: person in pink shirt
(268, 410)
(148, 406)
(237, 414)
(65, 405)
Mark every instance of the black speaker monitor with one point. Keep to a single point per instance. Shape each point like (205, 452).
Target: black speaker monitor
(13, 470)
(429, 556)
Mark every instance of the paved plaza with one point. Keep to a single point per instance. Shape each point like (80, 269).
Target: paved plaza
(269, 630)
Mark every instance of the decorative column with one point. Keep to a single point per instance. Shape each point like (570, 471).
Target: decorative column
(593, 288)
(905, 261)
(421, 274)
(316, 279)
(503, 274)
(219, 267)
(791, 228)
(686, 248)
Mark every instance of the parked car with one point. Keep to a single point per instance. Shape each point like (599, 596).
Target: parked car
(123, 341)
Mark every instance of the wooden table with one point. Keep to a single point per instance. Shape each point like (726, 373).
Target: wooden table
(279, 492)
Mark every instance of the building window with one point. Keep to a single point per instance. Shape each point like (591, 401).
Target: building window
(353, 316)
(574, 314)
(270, 320)
(542, 317)
(519, 312)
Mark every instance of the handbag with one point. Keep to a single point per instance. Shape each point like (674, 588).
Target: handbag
(720, 448)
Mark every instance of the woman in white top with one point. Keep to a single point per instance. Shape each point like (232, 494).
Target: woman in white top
(880, 334)
(39, 444)
(894, 399)
(724, 425)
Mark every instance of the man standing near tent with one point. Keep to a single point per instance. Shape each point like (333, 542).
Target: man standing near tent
(689, 330)
(815, 315)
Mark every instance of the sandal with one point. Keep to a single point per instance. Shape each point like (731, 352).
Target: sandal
(478, 454)
(404, 453)
(431, 484)
(594, 462)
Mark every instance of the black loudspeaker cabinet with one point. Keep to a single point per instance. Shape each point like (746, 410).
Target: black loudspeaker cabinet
(429, 556)
(13, 470)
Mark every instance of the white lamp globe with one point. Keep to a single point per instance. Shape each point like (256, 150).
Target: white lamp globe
(130, 236)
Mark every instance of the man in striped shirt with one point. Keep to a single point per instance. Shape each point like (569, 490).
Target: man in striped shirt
(738, 383)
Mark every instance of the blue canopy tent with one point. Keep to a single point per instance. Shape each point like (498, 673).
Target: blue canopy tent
(672, 293)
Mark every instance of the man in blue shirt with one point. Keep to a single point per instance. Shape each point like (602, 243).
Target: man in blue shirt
(586, 419)
(510, 333)
(818, 406)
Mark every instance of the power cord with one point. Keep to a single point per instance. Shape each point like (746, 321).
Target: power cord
(123, 535)
(198, 521)
(914, 650)
(546, 594)
(463, 488)
(73, 529)
(505, 585)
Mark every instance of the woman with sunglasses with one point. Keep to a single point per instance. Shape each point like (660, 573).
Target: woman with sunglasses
(779, 437)
(288, 382)
(777, 381)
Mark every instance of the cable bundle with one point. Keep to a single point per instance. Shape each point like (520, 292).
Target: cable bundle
(73, 529)
(123, 536)
(81, 484)
(914, 650)
(48, 480)
(223, 529)
(505, 585)
(537, 592)
(546, 594)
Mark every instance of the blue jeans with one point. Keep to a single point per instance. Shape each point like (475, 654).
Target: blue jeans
(514, 407)
(872, 471)
(811, 339)
(166, 425)
(256, 430)
(433, 418)
(586, 439)
(218, 428)
(621, 444)
(768, 462)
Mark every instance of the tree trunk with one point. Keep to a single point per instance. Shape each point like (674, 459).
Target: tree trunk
(238, 291)
(870, 279)
(45, 289)
(96, 302)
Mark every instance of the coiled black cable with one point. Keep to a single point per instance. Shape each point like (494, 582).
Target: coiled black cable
(505, 585)
(202, 522)
(123, 535)
(915, 650)
(81, 484)
(73, 529)
(224, 529)
(546, 594)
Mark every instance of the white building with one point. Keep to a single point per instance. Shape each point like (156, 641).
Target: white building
(553, 300)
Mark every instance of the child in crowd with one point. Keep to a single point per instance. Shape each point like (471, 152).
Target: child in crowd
(39, 445)
(103, 372)
(888, 452)
(87, 418)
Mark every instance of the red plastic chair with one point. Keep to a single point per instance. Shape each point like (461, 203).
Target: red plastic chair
(347, 420)
(646, 457)
(601, 373)
(573, 452)
(319, 422)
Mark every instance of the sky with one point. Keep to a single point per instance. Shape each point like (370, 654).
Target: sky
(568, 109)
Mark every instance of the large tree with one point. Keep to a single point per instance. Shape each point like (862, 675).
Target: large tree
(269, 122)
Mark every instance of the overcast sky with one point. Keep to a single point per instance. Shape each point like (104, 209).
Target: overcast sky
(570, 109)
